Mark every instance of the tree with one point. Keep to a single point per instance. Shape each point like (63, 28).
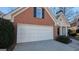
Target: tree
(6, 33)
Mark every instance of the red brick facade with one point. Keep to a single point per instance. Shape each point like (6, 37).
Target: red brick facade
(27, 17)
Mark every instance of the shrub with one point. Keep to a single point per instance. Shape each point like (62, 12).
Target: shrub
(71, 32)
(77, 30)
(63, 39)
(6, 33)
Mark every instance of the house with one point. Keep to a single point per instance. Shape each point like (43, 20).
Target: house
(75, 23)
(37, 23)
(63, 24)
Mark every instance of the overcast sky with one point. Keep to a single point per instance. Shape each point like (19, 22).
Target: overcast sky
(70, 14)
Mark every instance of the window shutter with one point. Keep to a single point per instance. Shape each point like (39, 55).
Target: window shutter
(42, 13)
(34, 12)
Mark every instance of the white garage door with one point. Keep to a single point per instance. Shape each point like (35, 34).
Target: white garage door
(29, 33)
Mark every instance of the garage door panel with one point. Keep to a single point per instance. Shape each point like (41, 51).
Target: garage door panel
(28, 33)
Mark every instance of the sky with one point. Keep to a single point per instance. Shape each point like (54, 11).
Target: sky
(6, 10)
(71, 12)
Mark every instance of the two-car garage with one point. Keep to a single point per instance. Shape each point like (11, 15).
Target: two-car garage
(31, 28)
(29, 33)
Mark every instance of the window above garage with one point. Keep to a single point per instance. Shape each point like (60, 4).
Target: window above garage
(38, 12)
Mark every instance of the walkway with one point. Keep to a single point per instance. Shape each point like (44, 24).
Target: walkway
(74, 44)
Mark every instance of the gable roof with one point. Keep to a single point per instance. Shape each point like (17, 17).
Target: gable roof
(62, 20)
(21, 9)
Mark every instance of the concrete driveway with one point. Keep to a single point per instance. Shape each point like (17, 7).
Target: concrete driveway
(46, 45)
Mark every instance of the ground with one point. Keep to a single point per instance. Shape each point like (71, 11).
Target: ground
(47, 45)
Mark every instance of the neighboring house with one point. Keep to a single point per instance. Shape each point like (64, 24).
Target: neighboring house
(75, 23)
(37, 23)
(63, 24)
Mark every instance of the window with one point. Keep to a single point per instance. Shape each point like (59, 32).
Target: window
(63, 31)
(38, 12)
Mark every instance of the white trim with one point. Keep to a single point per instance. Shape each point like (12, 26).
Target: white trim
(64, 21)
(8, 16)
(53, 18)
(34, 25)
(17, 9)
(20, 11)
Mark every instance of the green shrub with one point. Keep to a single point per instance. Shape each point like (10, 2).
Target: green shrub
(6, 33)
(63, 39)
